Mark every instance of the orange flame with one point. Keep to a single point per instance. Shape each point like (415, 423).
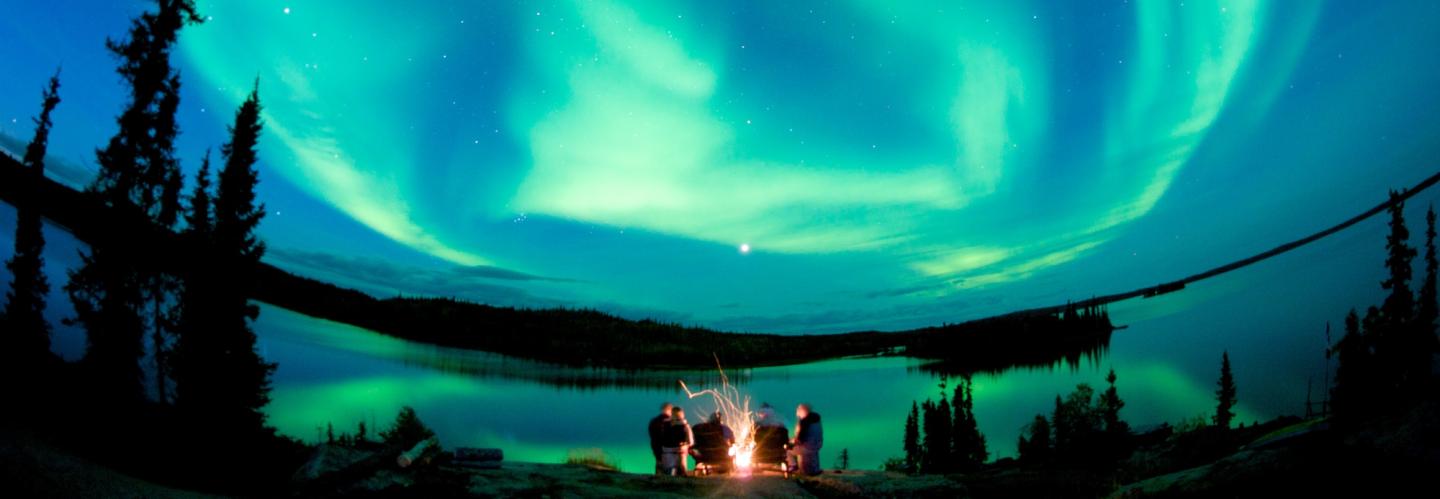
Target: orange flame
(734, 407)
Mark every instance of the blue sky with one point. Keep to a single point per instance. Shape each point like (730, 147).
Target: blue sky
(887, 164)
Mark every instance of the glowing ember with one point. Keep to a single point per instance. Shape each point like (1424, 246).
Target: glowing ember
(734, 408)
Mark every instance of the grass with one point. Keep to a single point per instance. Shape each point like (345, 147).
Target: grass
(592, 458)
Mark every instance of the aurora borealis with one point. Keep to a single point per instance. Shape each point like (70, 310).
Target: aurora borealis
(885, 164)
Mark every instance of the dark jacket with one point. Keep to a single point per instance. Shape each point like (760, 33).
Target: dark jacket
(712, 439)
(658, 424)
(770, 442)
(810, 435)
(676, 434)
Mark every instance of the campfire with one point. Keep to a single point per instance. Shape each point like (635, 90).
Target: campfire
(736, 414)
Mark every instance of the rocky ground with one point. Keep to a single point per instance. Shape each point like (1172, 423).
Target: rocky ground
(32, 469)
(1391, 457)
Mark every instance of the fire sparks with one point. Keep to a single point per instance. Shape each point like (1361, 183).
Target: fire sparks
(734, 408)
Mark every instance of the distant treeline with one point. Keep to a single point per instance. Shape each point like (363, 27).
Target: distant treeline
(588, 337)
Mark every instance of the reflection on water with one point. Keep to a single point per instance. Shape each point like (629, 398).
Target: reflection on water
(336, 373)
(298, 329)
(1271, 318)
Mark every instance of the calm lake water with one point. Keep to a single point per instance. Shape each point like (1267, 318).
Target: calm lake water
(331, 372)
(1270, 317)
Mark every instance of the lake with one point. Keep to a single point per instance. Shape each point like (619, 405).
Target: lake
(331, 372)
(1167, 361)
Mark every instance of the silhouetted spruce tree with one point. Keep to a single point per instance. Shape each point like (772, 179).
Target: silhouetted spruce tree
(1112, 442)
(220, 378)
(1225, 395)
(407, 430)
(928, 461)
(1429, 307)
(1059, 426)
(1035, 449)
(236, 212)
(1078, 425)
(969, 444)
(26, 341)
(1352, 392)
(164, 170)
(1110, 406)
(1399, 305)
(1396, 339)
(939, 445)
(195, 303)
(913, 451)
(117, 276)
(199, 221)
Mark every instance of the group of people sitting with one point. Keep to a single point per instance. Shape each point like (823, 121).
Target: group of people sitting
(674, 441)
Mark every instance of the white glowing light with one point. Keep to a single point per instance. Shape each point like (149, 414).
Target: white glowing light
(287, 10)
(735, 413)
(745, 248)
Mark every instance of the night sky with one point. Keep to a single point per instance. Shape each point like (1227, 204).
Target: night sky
(779, 166)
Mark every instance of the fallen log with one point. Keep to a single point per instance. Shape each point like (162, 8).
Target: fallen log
(409, 457)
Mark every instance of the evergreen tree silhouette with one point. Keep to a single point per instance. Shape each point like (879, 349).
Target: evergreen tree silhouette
(407, 430)
(26, 341)
(1405, 341)
(1352, 391)
(935, 425)
(1078, 424)
(1396, 313)
(1399, 305)
(969, 445)
(199, 221)
(1385, 358)
(220, 378)
(195, 304)
(939, 445)
(1110, 406)
(912, 439)
(1035, 449)
(1429, 308)
(138, 159)
(1060, 427)
(1225, 405)
(236, 212)
(117, 276)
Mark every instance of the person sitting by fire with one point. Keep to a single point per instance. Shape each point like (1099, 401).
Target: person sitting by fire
(657, 427)
(675, 445)
(713, 441)
(808, 439)
(765, 416)
(771, 437)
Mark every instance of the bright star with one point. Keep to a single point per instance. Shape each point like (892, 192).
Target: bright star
(287, 10)
(745, 248)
